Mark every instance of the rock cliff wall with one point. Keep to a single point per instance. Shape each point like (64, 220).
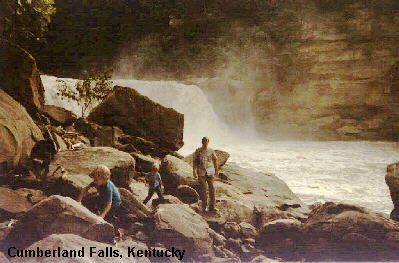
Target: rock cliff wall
(346, 82)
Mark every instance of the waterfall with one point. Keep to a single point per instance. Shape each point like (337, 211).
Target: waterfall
(199, 117)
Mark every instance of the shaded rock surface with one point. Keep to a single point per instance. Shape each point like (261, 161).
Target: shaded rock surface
(57, 114)
(97, 134)
(12, 203)
(18, 133)
(79, 163)
(19, 77)
(139, 116)
(144, 163)
(57, 215)
(72, 242)
(179, 226)
(333, 232)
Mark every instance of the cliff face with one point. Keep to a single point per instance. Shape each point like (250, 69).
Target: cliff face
(346, 84)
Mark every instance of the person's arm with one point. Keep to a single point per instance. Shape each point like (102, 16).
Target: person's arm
(160, 179)
(106, 209)
(83, 193)
(195, 165)
(215, 163)
(109, 202)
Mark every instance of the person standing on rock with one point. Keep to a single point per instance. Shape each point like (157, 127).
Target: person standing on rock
(154, 184)
(205, 167)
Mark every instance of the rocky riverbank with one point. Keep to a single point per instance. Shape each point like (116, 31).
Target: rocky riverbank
(259, 219)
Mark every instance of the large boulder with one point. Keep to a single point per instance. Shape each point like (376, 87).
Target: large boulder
(181, 227)
(133, 206)
(19, 76)
(342, 232)
(221, 155)
(58, 215)
(18, 133)
(137, 115)
(232, 204)
(392, 180)
(271, 196)
(58, 115)
(176, 172)
(12, 203)
(78, 165)
(75, 244)
(279, 238)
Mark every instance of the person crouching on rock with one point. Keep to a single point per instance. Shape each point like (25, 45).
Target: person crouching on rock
(109, 196)
(205, 167)
(154, 184)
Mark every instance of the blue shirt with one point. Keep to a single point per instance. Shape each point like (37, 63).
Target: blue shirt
(154, 180)
(109, 192)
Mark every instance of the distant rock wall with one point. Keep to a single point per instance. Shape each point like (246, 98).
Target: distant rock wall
(347, 82)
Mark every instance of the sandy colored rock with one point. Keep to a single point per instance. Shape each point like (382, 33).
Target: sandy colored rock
(58, 115)
(18, 133)
(139, 116)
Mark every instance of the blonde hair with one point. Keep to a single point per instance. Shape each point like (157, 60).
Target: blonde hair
(155, 166)
(101, 172)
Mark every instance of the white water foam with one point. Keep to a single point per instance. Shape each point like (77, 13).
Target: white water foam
(351, 172)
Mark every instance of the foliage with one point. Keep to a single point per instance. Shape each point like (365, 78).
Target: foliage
(24, 21)
(89, 90)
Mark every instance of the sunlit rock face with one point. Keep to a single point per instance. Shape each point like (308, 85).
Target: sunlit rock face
(346, 83)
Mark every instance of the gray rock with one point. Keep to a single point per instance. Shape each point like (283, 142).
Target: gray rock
(348, 233)
(176, 172)
(58, 215)
(179, 226)
(247, 230)
(79, 163)
(12, 203)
